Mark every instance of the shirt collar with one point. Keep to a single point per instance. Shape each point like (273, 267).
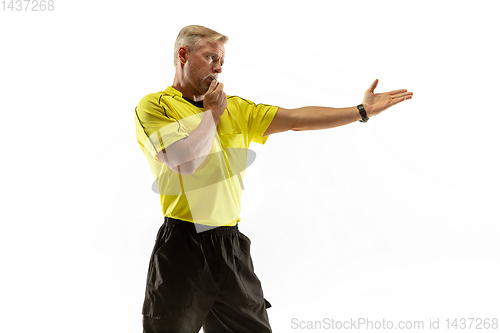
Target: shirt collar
(173, 91)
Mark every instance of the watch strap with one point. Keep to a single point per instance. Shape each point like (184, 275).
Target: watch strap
(362, 112)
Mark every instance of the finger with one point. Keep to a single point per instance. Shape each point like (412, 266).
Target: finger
(220, 87)
(212, 86)
(397, 91)
(400, 99)
(407, 94)
(373, 86)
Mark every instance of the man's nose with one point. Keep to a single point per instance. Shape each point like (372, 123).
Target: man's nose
(217, 67)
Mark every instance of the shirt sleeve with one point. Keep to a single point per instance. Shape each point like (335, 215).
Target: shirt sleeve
(160, 125)
(260, 117)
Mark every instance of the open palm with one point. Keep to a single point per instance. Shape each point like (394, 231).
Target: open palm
(376, 103)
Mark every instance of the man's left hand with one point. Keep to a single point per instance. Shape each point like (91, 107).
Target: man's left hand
(376, 103)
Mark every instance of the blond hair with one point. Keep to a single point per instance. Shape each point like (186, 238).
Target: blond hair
(192, 36)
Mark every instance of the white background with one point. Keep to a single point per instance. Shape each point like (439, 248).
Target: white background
(395, 219)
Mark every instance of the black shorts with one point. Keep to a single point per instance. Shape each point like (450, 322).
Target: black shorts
(203, 279)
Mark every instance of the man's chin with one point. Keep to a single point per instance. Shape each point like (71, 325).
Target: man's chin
(207, 81)
(204, 87)
(204, 90)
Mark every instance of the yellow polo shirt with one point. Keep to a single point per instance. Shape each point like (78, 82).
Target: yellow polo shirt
(212, 194)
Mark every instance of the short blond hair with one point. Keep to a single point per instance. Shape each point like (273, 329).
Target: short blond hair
(192, 36)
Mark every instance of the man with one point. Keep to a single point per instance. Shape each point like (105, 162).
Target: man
(195, 139)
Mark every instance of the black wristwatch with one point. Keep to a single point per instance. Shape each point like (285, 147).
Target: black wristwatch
(362, 112)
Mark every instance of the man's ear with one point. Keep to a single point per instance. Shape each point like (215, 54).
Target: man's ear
(182, 54)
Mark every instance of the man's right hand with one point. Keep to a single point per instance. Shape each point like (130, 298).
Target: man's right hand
(215, 99)
(186, 155)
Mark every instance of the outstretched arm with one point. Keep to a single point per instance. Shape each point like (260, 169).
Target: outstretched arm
(316, 117)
